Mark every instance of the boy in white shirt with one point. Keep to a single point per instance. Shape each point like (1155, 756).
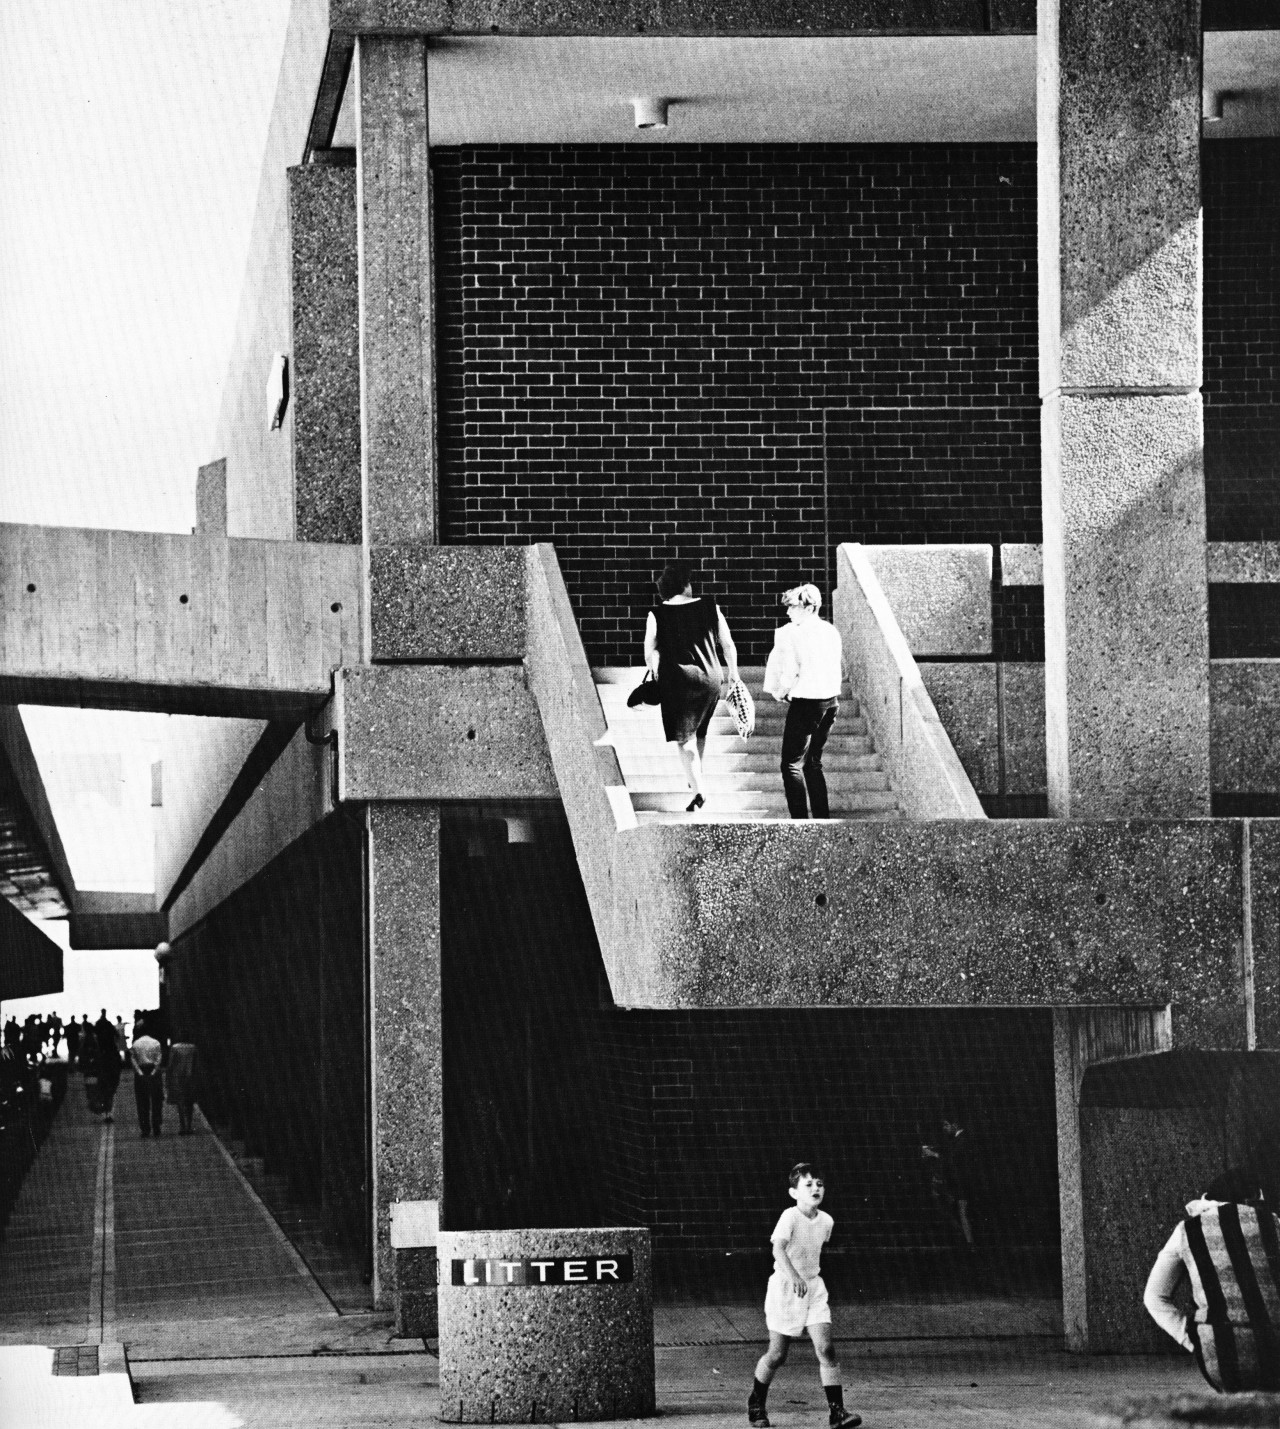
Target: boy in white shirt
(796, 1299)
(804, 670)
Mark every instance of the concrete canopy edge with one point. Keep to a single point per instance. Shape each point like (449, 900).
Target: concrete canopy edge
(686, 17)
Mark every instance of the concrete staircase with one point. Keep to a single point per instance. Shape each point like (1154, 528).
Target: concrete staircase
(742, 776)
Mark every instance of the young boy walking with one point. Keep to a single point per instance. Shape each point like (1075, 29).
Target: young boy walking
(796, 1299)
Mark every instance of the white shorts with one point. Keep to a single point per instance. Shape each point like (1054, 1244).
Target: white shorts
(786, 1313)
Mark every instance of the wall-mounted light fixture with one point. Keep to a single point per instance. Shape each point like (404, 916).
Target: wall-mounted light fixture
(277, 390)
(1212, 104)
(651, 113)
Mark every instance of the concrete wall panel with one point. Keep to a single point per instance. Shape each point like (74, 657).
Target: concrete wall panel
(448, 602)
(964, 694)
(1264, 885)
(259, 461)
(940, 595)
(325, 374)
(294, 795)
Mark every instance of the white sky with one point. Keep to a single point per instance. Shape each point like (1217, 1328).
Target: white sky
(131, 144)
(117, 979)
(131, 141)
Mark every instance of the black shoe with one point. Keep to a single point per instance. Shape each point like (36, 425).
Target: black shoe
(756, 1413)
(844, 1419)
(695, 804)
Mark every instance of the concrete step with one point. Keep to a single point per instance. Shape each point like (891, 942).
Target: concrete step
(759, 801)
(715, 782)
(645, 759)
(767, 727)
(706, 815)
(633, 741)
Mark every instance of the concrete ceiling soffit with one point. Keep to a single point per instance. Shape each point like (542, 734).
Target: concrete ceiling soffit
(869, 89)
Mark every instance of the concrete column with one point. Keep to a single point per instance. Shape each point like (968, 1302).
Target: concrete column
(1083, 1037)
(397, 379)
(1126, 647)
(404, 991)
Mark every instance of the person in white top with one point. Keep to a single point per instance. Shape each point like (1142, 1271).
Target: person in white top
(148, 1090)
(796, 1300)
(804, 670)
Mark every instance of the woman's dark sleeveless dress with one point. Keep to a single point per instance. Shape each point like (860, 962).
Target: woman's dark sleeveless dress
(688, 667)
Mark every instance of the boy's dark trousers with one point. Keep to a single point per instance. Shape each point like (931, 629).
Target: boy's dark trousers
(803, 740)
(148, 1092)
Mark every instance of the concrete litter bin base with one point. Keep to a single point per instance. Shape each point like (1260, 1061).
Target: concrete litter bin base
(542, 1325)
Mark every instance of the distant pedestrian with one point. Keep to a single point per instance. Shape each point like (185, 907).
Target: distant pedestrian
(88, 1044)
(1227, 1248)
(946, 1165)
(108, 1060)
(804, 671)
(122, 1038)
(182, 1073)
(148, 1087)
(12, 1035)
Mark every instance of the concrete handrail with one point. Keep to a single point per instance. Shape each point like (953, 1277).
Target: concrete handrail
(591, 783)
(923, 766)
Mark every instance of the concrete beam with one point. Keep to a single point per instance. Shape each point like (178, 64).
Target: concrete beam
(685, 17)
(117, 920)
(440, 732)
(30, 962)
(144, 620)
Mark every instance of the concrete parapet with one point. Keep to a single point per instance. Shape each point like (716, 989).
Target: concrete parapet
(940, 595)
(545, 1325)
(440, 732)
(925, 772)
(1002, 912)
(573, 723)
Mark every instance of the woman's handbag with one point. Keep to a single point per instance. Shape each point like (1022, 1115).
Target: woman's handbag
(646, 692)
(742, 707)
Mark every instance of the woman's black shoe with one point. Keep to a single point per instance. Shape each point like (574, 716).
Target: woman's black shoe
(695, 805)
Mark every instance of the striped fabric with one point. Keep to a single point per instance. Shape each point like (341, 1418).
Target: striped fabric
(1234, 1264)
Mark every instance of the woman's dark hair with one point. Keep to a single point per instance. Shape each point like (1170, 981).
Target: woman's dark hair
(675, 576)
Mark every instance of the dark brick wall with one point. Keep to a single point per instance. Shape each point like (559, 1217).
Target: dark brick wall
(639, 349)
(745, 354)
(270, 989)
(560, 1110)
(1241, 182)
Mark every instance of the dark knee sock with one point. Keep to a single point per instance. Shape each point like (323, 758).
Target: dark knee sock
(835, 1395)
(759, 1392)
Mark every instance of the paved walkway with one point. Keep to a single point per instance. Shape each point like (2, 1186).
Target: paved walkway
(142, 1240)
(163, 1248)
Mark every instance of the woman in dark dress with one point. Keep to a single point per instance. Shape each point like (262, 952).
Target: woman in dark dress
(680, 647)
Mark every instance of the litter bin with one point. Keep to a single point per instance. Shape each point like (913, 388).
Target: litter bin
(541, 1325)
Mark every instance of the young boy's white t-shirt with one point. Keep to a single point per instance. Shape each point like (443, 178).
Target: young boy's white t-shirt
(803, 1238)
